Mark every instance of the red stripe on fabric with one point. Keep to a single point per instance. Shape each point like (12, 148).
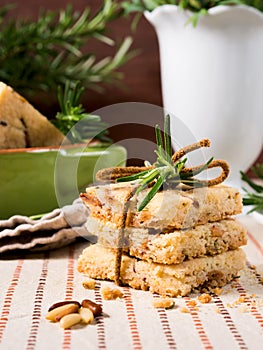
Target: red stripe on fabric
(166, 327)
(32, 338)
(100, 320)
(247, 301)
(66, 345)
(136, 341)
(198, 325)
(256, 243)
(229, 323)
(9, 297)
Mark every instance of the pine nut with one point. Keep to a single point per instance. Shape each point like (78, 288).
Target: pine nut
(51, 315)
(61, 303)
(69, 320)
(70, 310)
(86, 315)
(95, 308)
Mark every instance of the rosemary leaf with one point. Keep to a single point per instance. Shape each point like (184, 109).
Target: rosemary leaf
(164, 170)
(167, 137)
(159, 140)
(197, 7)
(72, 121)
(254, 199)
(151, 193)
(197, 171)
(252, 184)
(43, 54)
(132, 177)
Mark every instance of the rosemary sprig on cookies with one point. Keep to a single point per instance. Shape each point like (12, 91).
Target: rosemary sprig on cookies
(169, 169)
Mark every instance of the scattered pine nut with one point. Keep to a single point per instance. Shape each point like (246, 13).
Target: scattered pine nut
(95, 308)
(72, 309)
(61, 303)
(86, 315)
(70, 313)
(51, 315)
(70, 320)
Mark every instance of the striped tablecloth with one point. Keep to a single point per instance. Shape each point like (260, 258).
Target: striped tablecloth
(30, 284)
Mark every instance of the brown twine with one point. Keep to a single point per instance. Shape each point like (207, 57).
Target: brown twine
(190, 148)
(111, 174)
(120, 240)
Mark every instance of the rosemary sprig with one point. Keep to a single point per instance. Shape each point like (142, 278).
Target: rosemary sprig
(42, 54)
(164, 171)
(255, 199)
(73, 121)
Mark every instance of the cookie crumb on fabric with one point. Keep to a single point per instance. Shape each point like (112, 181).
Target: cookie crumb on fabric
(166, 303)
(204, 298)
(109, 293)
(89, 284)
(217, 291)
(184, 310)
(192, 302)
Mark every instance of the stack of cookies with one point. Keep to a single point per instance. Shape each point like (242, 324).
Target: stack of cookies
(182, 240)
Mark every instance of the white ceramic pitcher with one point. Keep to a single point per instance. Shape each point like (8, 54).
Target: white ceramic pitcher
(212, 78)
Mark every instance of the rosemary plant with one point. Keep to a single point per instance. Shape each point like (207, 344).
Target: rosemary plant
(43, 54)
(255, 199)
(73, 121)
(165, 171)
(198, 7)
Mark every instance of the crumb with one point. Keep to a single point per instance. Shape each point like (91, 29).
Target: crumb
(253, 267)
(217, 291)
(192, 302)
(89, 284)
(228, 305)
(241, 299)
(166, 303)
(184, 310)
(204, 298)
(109, 293)
(243, 309)
(217, 310)
(196, 308)
(261, 279)
(253, 295)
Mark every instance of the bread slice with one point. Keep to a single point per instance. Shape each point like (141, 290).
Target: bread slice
(171, 280)
(176, 246)
(168, 209)
(21, 125)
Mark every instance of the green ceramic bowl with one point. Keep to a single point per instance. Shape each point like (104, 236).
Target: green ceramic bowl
(37, 180)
